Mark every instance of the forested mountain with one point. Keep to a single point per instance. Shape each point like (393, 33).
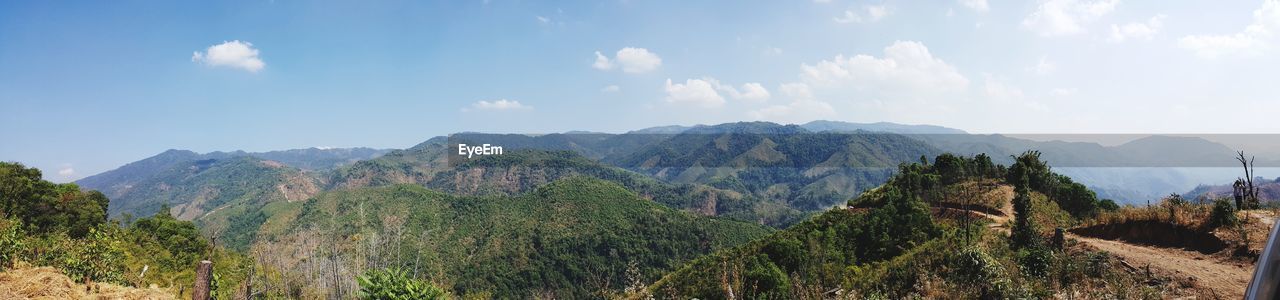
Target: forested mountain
(837, 126)
(785, 164)
(885, 127)
(753, 171)
(577, 237)
(318, 159)
(136, 187)
(521, 171)
(899, 241)
(195, 187)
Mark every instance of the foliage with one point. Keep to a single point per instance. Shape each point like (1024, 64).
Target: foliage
(395, 284)
(46, 207)
(99, 256)
(574, 237)
(817, 252)
(11, 244)
(1071, 196)
(1035, 261)
(1024, 232)
(1223, 214)
(973, 266)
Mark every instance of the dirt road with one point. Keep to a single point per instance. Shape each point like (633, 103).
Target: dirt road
(1228, 279)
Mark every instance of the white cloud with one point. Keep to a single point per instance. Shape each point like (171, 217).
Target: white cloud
(233, 54)
(543, 20)
(1252, 41)
(748, 91)
(798, 111)
(1062, 92)
(796, 90)
(66, 171)
(612, 88)
(753, 91)
(602, 62)
(871, 14)
(1066, 17)
(630, 60)
(997, 89)
(697, 92)
(1044, 66)
(705, 92)
(500, 104)
(907, 66)
(802, 107)
(1137, 30)
(976, 5)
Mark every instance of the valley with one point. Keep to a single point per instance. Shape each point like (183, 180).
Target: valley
(755, 210)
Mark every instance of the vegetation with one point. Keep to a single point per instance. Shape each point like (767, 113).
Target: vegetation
(395, 284)
(576, 237)
(61, 226)
(889, 245)
(1071, 196)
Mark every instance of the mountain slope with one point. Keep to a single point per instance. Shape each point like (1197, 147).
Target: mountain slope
(140, 187)
(193, 188)
(838, 126)
(574, 238)
(521, 171)
(784, 164)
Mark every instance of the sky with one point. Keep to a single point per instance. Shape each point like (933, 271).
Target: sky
(87, 86)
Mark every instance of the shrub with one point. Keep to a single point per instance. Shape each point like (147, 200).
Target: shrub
(396, 284)
(10, 242)
(98, 256)
(1223, 214)
(975, 268)
(1035, 261)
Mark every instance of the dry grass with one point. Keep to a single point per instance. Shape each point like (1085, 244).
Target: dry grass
(1247, 238)
(48, 283)
(987, 195)
(1186, 215)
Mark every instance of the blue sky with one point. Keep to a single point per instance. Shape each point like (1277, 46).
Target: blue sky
(87, 86)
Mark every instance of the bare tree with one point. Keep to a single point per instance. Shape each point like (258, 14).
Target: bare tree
(1245, 192)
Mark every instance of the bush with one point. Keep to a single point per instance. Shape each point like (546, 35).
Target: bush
(396, 284)
(97, 257)
(1035, 261)
(11, 246)
(1224, 214)
(975, 268)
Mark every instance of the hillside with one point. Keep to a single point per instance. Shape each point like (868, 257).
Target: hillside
(783, 164)
(575, 237)
(140, 187)
(907, 239)
(193, 188)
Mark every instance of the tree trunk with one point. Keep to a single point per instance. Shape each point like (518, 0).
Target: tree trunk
(204, 274)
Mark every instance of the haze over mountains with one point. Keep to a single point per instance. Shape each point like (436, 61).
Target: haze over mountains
(721, 184)
(195, 184)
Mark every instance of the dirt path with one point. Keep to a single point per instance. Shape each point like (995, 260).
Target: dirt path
(1227, 279)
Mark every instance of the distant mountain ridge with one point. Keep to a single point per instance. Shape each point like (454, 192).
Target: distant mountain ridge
(824, 125)
(179, 177)
(756, 171)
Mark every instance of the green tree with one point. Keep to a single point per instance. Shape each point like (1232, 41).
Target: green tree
(1024, 232)
(395, 284)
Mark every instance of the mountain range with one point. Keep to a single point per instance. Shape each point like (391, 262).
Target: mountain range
(759, 172)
